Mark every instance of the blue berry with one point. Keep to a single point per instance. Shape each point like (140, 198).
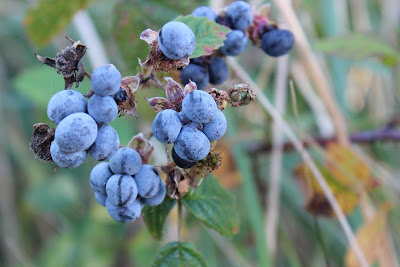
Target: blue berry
(121, 189)
(239, 15)
(126, 161)
(65, 103)
(124, 214)
(66, 160)
(204, 11)
(184, 164)
(216, 128)
(158, 198)
(192, 144)
(176, 40)
(166, 126)
(99, 177)
(184, 120)
(198, 61)
(103, 109)
(234, 44)
(199, 106)
(141, 202)
(105, 80)
(277, 43)
(76, 132)
(100, 198)
(148, 181)
(218, 71)
(195, 73)
(106, 143)
(121, 96)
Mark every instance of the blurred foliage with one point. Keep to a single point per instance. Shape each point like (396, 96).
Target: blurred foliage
(52, 219)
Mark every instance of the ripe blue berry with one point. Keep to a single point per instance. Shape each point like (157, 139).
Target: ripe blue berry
(239, 15)
(166, 126)
(76, 132)
(218, 70)
(105, 80)
(121, 189)
(148, 181)
(99, 177)
(65, 103)
(199, 106)
(103, 109)
(121, 96)
(234, 44)
(158, 198)
(184, 164)
(66, 160)
(204, 11)
(195, 73)
(124, 214)
(192, 144)
(176, 40)
(106, 143)
(126, 161)
(216, 128)
(100, 198)
(277, 43)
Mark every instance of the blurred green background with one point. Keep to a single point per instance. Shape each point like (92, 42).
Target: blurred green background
(50, 218)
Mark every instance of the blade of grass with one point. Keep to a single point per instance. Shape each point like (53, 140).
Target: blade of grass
(314, 69)
(250, 197)
(266, 104)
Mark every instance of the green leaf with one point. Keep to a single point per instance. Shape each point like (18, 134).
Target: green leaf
(48, 17)
(214, 206)
(209, 34)
(359, 46)
(179, 254)
(154, 217)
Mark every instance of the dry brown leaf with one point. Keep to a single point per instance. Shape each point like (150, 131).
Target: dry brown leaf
(227, 174)
(372, 238)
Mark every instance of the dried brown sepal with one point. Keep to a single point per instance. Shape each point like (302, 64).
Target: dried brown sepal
(129, 84)
(177, 185)
(221, 97)
(174, 92)
(158, 103)
(241, 95)
(203, 168)
(42, 137)
(261, 24)
(156, 58)
(68, 63)
(143, 146)
(189, 87)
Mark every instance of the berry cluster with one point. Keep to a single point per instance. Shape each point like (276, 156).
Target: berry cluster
(191, 130)
(239, 18)
(123, 185)
(214, 69)
(82, 125)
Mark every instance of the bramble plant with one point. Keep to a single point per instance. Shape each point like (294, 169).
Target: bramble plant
(189, 121)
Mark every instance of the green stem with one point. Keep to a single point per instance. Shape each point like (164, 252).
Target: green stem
(179, 220)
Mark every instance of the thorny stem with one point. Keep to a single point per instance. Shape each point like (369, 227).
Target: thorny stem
(89, 93)
(87, 74)
(157, 81)
(384, 134)
(179, 220)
